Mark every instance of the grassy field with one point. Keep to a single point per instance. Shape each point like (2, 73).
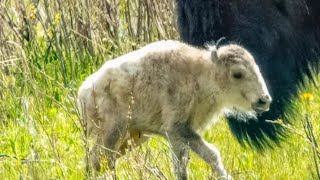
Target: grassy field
(48, 47)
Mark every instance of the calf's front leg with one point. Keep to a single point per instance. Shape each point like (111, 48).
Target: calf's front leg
(183, 134)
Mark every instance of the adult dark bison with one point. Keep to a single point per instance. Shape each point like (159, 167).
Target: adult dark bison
(284, 37)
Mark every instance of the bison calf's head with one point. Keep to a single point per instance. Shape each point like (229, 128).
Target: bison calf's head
(242, 82)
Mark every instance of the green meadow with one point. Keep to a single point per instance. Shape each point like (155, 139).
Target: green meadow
(48, 47)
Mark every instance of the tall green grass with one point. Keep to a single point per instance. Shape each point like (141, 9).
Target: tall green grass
(48, 47)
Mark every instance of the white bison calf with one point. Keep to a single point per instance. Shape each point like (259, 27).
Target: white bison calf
(173, 90)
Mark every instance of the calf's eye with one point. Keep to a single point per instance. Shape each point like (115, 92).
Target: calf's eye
(237, 75)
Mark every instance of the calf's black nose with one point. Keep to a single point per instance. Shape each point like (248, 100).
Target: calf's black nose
(264, 100)
(262, 104)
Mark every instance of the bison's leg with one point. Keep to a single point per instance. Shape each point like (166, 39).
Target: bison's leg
(112, 134)
(184, 134)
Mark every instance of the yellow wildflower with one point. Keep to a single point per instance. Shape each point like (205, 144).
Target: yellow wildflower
(279, 121)
(307, 96)
(57, 19)
(31, 12)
